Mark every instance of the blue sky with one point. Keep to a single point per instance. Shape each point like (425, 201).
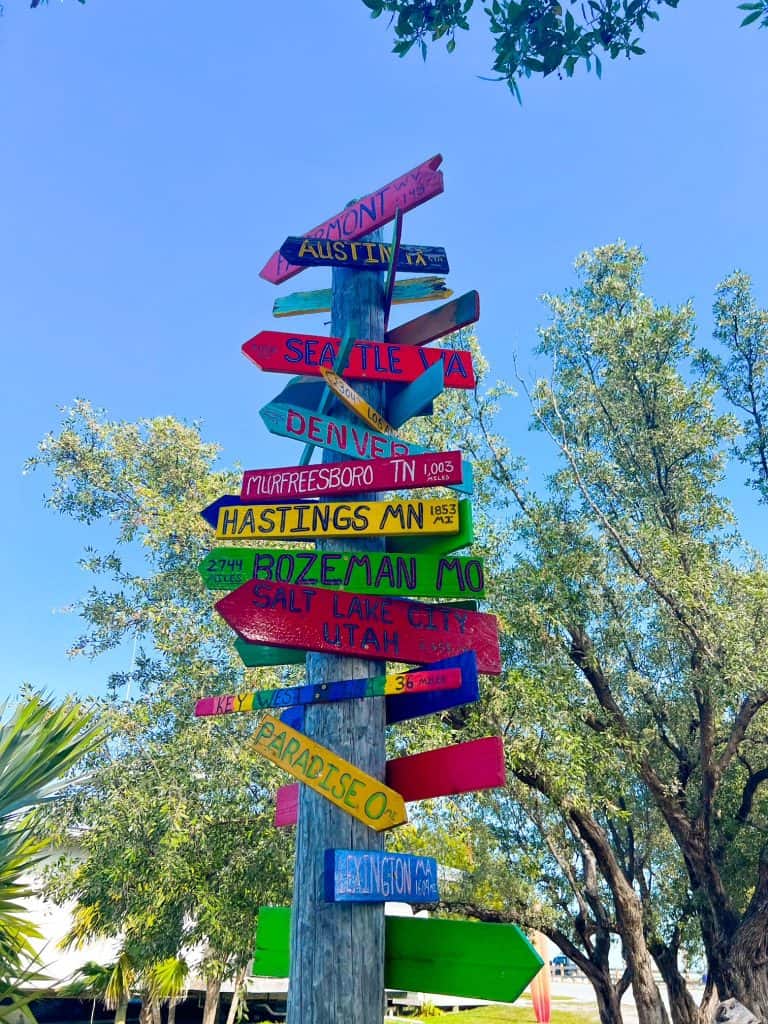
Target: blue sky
(154, 155)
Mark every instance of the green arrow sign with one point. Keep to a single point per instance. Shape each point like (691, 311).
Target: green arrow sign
(400, 575)
(460, 958)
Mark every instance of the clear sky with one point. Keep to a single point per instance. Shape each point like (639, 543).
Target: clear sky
(153, 155)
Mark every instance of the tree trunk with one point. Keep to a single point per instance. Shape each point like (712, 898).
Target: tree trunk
(237, 995)
(682, 1005)
(211, 1007)
(337, 949)
(121, 1013)
(629, 916)
(145, 1013)
(747, 966)
(172, 1003)
(608, 1000)
(154, 1012)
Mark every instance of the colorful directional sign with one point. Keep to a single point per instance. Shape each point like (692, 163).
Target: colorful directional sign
(372, 876)
(438, 322)
(372, 211)
(398, 472)
(438, 545)
(364, 572)
(355, 401)
(338, 519)
(320, 693)
(289, 615)
(281, 352)
(416, 398)
(473, 959)
(411, 289)
(346, 786)
(320, 252)
(347, 437)
(447, 771)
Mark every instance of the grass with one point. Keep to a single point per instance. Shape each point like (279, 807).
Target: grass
(509, 1015)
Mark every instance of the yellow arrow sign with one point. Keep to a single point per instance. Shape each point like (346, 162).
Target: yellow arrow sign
(338, 519)
(360, 795)
(355, 402)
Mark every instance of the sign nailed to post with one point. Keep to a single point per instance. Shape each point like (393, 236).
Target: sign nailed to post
(371, 212)
(280, 352)
(386, 474)
(364, 572)
(319, 252)
(347, 394)
(291, 615)
(338, 519)
(370, 876)
(324, 693)
(365, 798)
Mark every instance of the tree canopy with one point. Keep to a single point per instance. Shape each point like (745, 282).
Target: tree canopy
(537, 37)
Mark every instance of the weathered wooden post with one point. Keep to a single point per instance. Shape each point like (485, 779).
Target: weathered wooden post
(337, 949)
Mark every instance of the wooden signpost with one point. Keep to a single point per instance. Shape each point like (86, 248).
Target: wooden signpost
(372, 211)
(438, 322)
(356, 793)
(290, 615)
(319, 252)
(347, 394)
(412, 289)
(364, 572)
(398, 472)
(462, 958)
(351, 603)
(369, 876)
(337, 519)
(281, 352)
(344, 689)
(448, 771)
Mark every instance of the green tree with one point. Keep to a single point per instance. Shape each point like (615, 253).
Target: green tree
(39, 743)
(537, 37)
(632, 602)
(176, 848)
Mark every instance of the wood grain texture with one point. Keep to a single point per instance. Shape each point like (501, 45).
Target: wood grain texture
(320, 252)
(410, 289)
(405, 193)
(327, 938)
(446, 319)
(283, 352)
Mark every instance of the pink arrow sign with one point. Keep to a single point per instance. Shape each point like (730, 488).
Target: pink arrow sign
(352, 477)
(293, 615)
(372, 211)
(282, 352)
(462, 768)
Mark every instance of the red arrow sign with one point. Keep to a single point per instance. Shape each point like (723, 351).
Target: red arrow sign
(372, 211)
(281, 352)
(292, 615)
(462, 768)
(352, 477)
